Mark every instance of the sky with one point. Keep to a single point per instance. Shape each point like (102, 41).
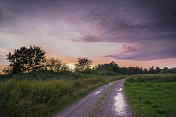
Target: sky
(130, 32)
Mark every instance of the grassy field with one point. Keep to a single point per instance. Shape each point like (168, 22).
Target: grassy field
(152, 95)
(37, 98)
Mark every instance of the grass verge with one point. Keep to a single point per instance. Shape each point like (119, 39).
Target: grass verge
(150, 96)
(152, 78)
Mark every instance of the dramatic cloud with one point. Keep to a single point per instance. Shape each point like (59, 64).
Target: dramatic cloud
(121, 29)
(147, 55)
(145, 23)
(0, 14)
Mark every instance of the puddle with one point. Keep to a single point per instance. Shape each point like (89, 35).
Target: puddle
(119, 89)
(97, 92)
(120, 104)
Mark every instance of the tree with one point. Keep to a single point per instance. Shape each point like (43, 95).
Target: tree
(83, 64)
(158, 70)
(152, 70)
(36, 58)
(51, 64)
(109, 67)
(26, 59)
(165, 70)
(56, 65)
(145, 71)
(18, 60)
(114, 67)
(7, 70)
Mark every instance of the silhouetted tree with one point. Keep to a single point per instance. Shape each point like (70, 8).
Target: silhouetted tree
(26, 59)
(112, 66)
(7, 70)
(173, 70)
(109, 68)
(55, 65)
(165, 70)
(152, 70)
(36, 58)
(83, 64)
(145, 71)
(140, 70)
(158, 70)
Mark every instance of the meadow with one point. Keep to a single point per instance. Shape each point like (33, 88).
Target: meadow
(151, 95)
(40, 98)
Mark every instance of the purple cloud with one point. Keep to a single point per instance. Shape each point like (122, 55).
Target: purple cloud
(147, 28)
(147, 55)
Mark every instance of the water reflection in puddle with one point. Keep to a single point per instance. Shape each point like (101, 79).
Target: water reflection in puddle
(109, 83)
(97, 92)
(119, 89)
(120, 104)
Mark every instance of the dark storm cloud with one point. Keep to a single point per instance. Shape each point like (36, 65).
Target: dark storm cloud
(148, 23)
(0, 14)
(90, 38)
(0, 17)
(137, 20)
(28, 7)
(147, 55)
(148, 26)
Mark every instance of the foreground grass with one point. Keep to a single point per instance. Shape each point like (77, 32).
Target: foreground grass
(150, 96)
(36, 98)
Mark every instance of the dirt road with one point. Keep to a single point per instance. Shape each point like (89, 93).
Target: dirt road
(114, 104)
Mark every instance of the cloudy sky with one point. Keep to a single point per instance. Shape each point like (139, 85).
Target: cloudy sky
(130, 32)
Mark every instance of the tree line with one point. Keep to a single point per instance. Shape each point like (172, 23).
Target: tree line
(33, 59)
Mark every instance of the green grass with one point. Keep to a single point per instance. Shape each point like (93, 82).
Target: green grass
(152, 77)
(151, 95)
(37, 98)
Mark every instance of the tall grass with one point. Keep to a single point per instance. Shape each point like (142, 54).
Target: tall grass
(45, 76)
(152, 77)
(36, 98)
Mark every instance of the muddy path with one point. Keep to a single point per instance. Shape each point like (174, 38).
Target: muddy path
(114, 104)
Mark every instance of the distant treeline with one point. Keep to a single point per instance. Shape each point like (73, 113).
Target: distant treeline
(33, 59)
(113, 67)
